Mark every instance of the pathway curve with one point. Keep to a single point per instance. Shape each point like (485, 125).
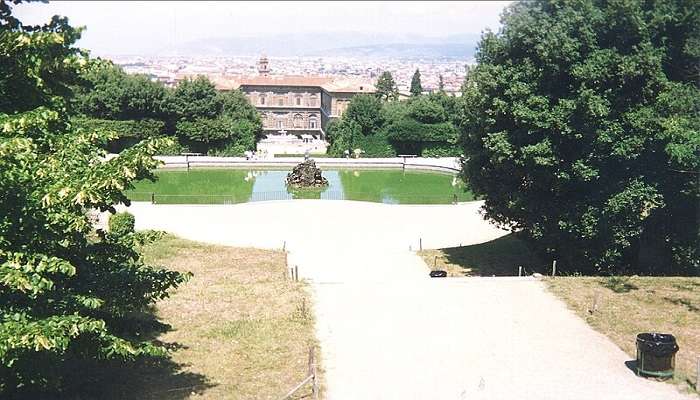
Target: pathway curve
(387, 331)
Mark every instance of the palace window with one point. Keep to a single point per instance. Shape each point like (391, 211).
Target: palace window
(312, 122)
(298, 100)
(298, 121)
(312, 101)
(262, 99)
(280, 102)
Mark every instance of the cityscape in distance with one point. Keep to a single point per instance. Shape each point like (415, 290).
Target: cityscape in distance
(169, 68)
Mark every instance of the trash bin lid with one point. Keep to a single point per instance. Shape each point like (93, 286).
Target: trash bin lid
(658, 344)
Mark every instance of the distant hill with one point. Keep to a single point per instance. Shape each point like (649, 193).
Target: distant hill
(404, 50)
(336, 44)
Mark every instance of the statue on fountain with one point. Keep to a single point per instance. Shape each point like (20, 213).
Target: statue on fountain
(306, 175)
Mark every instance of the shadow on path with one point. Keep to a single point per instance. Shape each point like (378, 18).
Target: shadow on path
(499, 257)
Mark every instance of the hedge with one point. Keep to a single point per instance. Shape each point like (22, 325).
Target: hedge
(129, 132)
(128, 128)
(434, 149)
(407, 129)
(376, 146)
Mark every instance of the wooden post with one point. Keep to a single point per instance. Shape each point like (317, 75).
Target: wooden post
(314, 383)
(312, 372)
(554, 267)
(311, 360)
(596, 301)
(697, 378)
(296, 273)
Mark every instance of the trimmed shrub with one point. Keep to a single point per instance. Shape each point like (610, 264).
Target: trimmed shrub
(441, 150)
(408, 129)
(376, 146)
(128, 132)
(121, 224)
(174, 149)
(143, 128)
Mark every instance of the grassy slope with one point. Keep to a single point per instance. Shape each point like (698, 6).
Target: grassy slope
(238, 329)
(628, 306)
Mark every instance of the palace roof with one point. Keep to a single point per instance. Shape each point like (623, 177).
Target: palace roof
(328, 83)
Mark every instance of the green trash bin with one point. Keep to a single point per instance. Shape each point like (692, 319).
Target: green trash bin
(656, 354)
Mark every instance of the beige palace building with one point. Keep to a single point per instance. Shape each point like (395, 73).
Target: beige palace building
(295, 105)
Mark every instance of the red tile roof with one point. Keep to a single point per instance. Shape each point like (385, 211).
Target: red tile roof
(329, 83)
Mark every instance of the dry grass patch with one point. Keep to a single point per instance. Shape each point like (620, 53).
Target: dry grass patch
(239, 328)
(631, 305)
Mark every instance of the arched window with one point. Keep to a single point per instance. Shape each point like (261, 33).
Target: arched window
(262, 99)
(312, 122)
(298, 121)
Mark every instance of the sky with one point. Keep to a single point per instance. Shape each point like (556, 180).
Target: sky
(142, 27)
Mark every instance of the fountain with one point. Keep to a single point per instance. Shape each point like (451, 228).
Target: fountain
(306, 175)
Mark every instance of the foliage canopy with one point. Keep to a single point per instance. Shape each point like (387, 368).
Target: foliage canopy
(582, 131)
(66, 293)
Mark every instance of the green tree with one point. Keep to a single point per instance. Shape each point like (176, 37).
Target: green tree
(67, 293)
(386, 87)
(582, 132)
(427, 110)
(222, 135)
(416, 87)
(345, 136)
(366, 111)
(195, 98)
(107, 92)
(236, 105)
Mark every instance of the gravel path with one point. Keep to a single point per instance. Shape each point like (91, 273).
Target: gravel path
(387, 331)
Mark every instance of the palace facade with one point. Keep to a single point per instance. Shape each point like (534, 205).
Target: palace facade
(295, 105)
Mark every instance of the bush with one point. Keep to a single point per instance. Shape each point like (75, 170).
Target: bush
(174, 148)
(120, 135)
(230, 150)
(441, 150)
(145, 128)
(408, 129)
(121, 224)
(376, 146)
(220, 136)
